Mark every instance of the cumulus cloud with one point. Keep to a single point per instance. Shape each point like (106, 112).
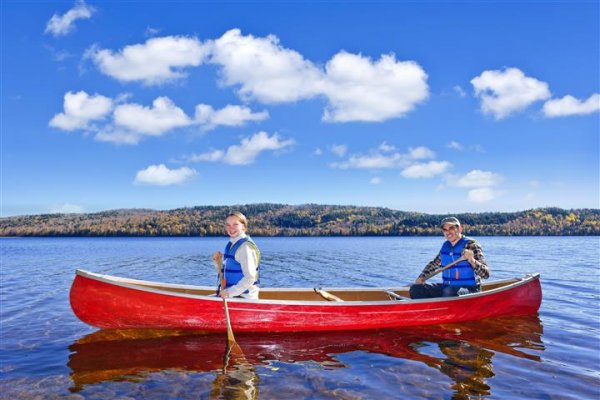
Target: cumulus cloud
(131, 122)
(420, 152)
(425, 170)
(504, 92)
(360, 89)
(159, 60)
(80, 109)
(263, 69)
(385, 156)
(160, 175)
(356, 88)
(481, 184)
(163, 116)
(569, 105)
(375, 180)
(230, 115)
(247, 151)
(479, 178)
(60, 25)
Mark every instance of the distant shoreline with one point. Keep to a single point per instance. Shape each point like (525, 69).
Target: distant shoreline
(309, 220)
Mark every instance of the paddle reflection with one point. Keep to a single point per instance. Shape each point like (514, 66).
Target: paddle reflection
(465, 353)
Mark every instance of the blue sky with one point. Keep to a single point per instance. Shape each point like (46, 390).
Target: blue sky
(432, 106)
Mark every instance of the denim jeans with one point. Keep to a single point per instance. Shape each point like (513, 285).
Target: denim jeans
(428, 290)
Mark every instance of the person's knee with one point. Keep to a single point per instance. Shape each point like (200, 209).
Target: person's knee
(417, 291)
(448, 291)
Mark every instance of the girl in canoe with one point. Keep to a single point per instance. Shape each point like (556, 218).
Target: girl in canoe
(237, 266)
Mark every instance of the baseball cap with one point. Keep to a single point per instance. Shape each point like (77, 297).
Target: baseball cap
(450, 220)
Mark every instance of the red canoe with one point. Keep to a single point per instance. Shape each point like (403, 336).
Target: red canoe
(116, 303)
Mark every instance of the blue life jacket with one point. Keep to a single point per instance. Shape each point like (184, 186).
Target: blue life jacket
(461, 274)
(232, 270)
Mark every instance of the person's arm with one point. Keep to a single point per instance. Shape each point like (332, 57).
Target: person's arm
(429, 269)
(474, 254)
(246, 256)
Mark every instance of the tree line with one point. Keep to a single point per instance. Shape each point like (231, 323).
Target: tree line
(301, 220)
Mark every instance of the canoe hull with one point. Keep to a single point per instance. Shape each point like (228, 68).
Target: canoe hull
(112, 305)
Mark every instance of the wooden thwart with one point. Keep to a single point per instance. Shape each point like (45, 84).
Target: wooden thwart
(394, 296)
(326, 295)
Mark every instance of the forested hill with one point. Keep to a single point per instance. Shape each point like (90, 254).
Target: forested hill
(300, 220)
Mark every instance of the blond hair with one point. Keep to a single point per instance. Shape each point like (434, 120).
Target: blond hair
(240, 217)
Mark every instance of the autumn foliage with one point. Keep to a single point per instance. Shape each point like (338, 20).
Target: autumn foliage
(301, 220)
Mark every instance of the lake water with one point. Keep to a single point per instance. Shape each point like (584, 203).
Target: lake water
(47, 353)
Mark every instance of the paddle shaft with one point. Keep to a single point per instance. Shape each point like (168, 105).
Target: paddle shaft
(230, 337)
(452, 264)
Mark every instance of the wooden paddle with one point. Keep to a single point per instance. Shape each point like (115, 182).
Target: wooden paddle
(232, 345)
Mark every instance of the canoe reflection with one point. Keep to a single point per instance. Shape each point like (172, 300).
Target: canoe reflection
(465, 352)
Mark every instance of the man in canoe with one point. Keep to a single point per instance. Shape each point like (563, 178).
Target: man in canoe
(237, 266)
(464, 276)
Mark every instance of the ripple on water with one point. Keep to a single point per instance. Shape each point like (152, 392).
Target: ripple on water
(44, 352)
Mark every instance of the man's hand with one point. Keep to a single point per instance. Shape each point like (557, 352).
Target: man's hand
(224, 294)
(420, 281)
(469, 255)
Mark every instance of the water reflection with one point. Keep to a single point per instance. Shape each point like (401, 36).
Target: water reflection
(463, 352)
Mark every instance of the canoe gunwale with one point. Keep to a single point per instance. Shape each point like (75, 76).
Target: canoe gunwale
(140, 285)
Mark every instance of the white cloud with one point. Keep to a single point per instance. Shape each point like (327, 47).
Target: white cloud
(215, 155)
(420, 152)
(425, 170)
(339, 149)
(455, 145)
(159, 60)
(117, 136)
(131, 122)
(385, 156)
(375, 180)
(60, 25)
(569, 105)
(359, 89)
(318, 152)
(386, 148)
(370, 161)
(356, 88)
(477, 178)
(481, 195)
(480, 184)
(508, 91)
(162, 176)
(247, 151)
(80, 109)
(229, 115)
(66, 208)
(163, 116)
(264, 70)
